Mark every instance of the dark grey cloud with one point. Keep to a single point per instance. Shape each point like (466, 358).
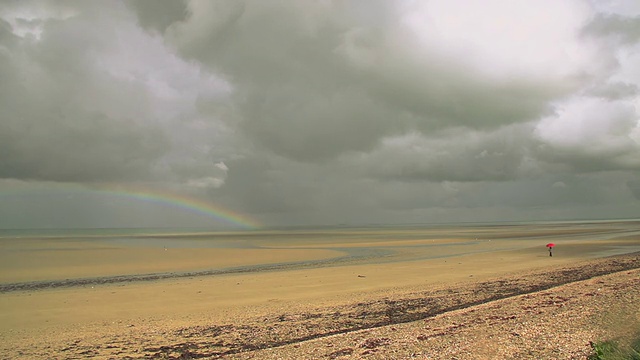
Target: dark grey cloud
(313, 81)
(326, 112)
(456, 155)
(158, 14)
(292, 94)
(55, 124)
(81, 147)
(615, 91)
(625, 29)
(270, 185)
(634, 187)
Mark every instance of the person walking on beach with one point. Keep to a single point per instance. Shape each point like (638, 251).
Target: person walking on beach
(550, 247)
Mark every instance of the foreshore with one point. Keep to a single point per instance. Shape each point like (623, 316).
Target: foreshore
(477, 290)
(435, 323)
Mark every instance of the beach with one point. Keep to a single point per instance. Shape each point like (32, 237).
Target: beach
(285, 293)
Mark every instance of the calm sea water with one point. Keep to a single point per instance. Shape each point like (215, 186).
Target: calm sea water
(97, 232)
(470, 232)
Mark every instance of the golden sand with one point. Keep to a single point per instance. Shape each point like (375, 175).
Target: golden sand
(413, 260)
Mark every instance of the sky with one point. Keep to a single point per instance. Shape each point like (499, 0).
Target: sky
(304, 113)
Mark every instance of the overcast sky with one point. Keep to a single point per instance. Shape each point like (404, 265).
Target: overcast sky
(319, 112)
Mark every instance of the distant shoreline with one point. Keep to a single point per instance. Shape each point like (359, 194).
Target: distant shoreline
(200, 231)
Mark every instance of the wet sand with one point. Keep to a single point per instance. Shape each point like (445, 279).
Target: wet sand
(284, 273)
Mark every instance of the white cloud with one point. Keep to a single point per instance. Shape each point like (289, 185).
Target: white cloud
(593, 128)
(205, 183)
(221, 165)
(559, 185)
(504, 39)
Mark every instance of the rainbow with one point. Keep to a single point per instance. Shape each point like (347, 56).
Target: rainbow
(156, 196)
(184, 202)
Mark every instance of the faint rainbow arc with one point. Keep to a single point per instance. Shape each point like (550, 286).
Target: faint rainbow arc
(187, 203)
(164, 198)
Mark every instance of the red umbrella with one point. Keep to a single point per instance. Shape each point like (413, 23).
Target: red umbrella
(550, 245)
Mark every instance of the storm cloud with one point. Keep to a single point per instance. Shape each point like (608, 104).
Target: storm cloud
(330, 112)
